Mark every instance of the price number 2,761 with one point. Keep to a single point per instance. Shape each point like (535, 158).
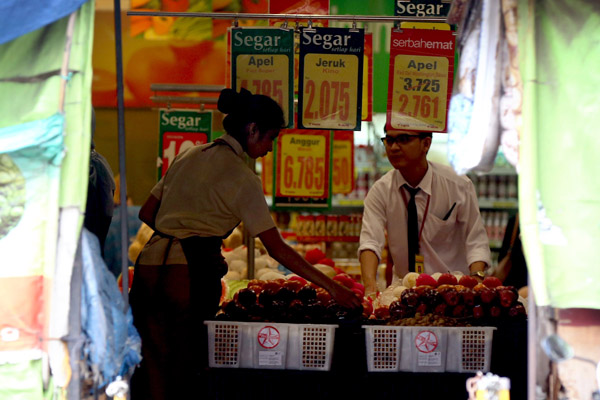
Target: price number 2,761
(423, 105)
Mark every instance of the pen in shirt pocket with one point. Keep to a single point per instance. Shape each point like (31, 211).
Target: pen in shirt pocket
(449, 212)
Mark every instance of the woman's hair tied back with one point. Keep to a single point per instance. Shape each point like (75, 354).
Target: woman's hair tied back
(230, 100)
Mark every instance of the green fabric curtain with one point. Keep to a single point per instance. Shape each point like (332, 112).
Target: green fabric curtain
(559, 184)
(30, 83)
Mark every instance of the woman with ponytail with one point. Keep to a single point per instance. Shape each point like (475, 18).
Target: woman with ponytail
(204, 195)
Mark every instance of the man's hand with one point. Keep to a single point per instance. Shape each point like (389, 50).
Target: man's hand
(478, 266)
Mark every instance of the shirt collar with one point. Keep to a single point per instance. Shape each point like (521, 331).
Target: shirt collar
(424, 185)
(235, 145)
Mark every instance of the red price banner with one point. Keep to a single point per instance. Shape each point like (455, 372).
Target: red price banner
(343, 162)
(303, 164)
(177, 142)
(420, 79)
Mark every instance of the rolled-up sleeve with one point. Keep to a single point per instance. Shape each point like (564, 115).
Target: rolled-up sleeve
(477, 243)
(372, 234)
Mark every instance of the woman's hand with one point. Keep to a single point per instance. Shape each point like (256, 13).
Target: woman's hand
(344, 296)
(293, 261)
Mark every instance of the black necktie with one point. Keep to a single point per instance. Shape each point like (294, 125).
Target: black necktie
(413, 228)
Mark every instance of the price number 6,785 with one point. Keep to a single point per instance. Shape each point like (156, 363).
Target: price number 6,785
(304, 175)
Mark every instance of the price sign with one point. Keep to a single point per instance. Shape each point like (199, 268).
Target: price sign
(330, 83)
(302, 169)
(343, 162)
(262, 62)
(178, 131)
(267, 173)
(421, 73)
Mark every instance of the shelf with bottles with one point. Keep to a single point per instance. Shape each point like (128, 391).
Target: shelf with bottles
(495, 222)
(496, 191)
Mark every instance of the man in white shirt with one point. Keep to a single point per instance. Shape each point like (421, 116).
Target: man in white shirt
(449, 230)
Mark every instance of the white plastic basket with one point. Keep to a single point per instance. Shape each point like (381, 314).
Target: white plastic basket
(310, 346)
(266, 345)
(428, 349)
(473, 349)
(224, 344)
(424, 349)
(383, 347)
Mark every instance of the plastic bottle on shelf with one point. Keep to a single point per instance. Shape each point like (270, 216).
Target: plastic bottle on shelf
(503, 223)
(497, 228)
(492, 188)
(482, 189)
(501, 186)
(512, 187)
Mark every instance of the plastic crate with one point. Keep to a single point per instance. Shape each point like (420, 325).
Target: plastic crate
(428, 349)
(264, 345)
(424, 349)
(383, 348)
(310, 346)
(473, 349)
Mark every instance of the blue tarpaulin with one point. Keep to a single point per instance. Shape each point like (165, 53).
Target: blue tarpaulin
(18, 17)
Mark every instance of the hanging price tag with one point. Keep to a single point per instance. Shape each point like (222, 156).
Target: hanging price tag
(330, 83)
(421, 72)
(343, 162)
(262, 62)
(267, 173)
(301, 170)
(180, 130)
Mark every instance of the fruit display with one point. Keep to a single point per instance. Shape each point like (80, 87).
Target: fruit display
(292, 300)
(448, 301)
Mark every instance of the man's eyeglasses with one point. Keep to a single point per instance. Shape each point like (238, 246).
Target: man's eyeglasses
(402, 139)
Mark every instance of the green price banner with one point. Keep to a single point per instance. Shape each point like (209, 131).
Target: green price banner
(422, 8)
(178, 131)
(331, 75)
(262, 61)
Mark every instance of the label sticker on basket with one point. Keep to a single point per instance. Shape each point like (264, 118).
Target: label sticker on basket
(268, 337)
(433, 359)
(426, 341)
(270, 358)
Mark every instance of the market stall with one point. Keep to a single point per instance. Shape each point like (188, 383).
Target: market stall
(306, 202)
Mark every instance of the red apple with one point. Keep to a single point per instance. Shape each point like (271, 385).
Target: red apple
(492, 282)
(426, 279)
(345, 280)
(447, 279)
(468, 281)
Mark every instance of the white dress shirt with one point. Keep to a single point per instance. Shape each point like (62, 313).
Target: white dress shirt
(446, 245)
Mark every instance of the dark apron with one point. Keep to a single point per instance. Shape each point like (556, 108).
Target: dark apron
(169, 305)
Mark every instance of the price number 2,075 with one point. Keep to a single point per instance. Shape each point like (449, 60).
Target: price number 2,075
(304, 175)
(333, 99)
